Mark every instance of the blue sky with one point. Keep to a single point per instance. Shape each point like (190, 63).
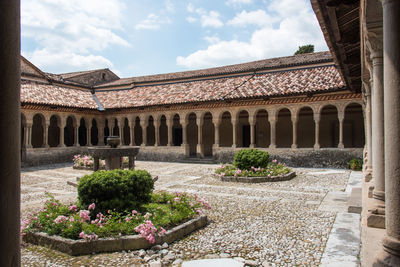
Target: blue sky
(134, 38)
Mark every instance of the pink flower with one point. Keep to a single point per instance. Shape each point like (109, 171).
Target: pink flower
(60, 219)
(134, 212)
(82, 235)
(92, 206)
(275, 161)
(84, 214)
(72, 208)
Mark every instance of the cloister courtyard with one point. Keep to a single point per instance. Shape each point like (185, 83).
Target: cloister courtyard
(302, 222)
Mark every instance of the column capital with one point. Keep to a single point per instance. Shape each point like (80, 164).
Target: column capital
(317, 116)
(341, 116)
(216, 120)
(374, 43)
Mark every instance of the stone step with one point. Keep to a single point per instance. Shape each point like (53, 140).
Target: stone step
(355, 201)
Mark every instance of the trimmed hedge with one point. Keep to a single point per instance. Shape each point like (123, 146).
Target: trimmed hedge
(355, 164)
(119, 190)
(246, 158)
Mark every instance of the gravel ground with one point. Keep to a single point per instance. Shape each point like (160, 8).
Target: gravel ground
(269, 224)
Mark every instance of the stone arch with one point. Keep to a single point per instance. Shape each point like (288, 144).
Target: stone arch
(69, 131)
(106, 131)
(243, 128)
(38, 128)
(305, 127)
(226, 130)
(163, 131)
(126, 132)
(138, 132)
(54, 131)
(150, 132)
(192, 133)
(353, 126)
(329, 126)
(94, 133)
(82, 132)
(177, 137)
(208, 134)
(262, 128)
(284, 130)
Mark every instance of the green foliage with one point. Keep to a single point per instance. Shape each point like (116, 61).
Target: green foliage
(245, 159)
(118, 190)
(305, 49)
(273, 169)
(355, 164)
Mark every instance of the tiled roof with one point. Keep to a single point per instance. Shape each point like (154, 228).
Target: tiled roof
(316, 79)
(265, 64)
(49, 94)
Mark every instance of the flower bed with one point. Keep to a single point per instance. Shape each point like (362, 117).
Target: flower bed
(67, 223)
(86, 162)
(273, 172)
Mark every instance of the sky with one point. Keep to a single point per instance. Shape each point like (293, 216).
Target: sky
(135, 38)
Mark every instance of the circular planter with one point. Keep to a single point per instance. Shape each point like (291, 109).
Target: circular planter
(113, 141)
(264, 179)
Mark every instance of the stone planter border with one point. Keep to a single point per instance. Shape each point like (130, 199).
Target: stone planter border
(124, 165)
(264, 179)
(133, 242)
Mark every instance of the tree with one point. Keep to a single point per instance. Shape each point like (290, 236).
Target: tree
(305, 49)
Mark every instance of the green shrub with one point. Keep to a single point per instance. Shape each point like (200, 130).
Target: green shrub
(246, 158)
(117, 190)
(355, 164)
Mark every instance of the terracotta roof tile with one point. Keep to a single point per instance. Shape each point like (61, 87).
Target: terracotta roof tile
(316, 79)
(49, 94)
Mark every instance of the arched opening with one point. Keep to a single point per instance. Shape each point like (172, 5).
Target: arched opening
(305, 128)
(38, 131)
(262, 131)
(69, 133)
(54, 132)
(82, 133)
(329, 127)
(353, 126)
(106, 131)
(163, 131)
(225, 130)
(150, 131)
(138, 132)
(192, 134)
(115, 130)
(94, 133)
(127, 133)
(208, 134)
(176, 131)
(284, 131)
(243, 129)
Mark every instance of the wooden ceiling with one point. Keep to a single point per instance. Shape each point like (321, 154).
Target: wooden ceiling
(340, 24)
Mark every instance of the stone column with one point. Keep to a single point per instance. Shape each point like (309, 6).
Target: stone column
(368, 133)
(46, 132)
(199, 148)
(216, 122)
(272, 122)
(170, 123)
(28, 138)
(111, 125)
(156, 132)
(100, 126)
(76, 135)
(184, 137)
(390, 256)
(317, 119)
(62, 136)
(143, 124)
(294, 128)
(341, 119)
(234, 134)
(10, 123)
(121, 125)
(252, 123)
(88, 136)
(378, 146)
(132, 132)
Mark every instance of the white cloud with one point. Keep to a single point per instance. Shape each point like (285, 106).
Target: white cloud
(191, 19)
(190, 7)
(212, 39)
(259, 18)
(209, 18)
(70, 31)
(238, 2)
(152, 22)
(294, 25)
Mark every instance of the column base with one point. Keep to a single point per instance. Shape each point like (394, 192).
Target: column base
(272, 146)
(341, 146)
(317, 146)
(252, 146)
(234, 146)
(390, 254)
(380, 195)
(294, 146)
(368, 174)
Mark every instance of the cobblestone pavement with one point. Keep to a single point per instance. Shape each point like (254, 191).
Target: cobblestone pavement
(270, 224)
